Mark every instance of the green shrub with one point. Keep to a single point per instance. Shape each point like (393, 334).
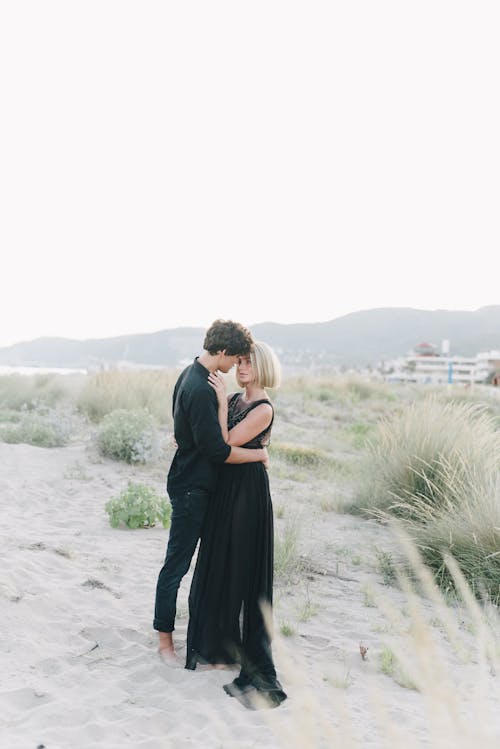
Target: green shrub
(131, 436)
(43, 427)
(138, 507)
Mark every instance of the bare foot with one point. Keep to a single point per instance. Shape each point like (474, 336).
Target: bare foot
(166, 648)
(215, 667)
(169, 657)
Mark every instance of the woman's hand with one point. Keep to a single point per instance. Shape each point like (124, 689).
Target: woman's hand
(218, 383)
(265, 461)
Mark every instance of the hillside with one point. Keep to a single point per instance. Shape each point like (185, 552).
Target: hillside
(357, 339)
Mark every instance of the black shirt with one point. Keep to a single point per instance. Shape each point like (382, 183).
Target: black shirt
(200, 446)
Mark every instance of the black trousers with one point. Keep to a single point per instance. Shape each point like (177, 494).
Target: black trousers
(188, 514)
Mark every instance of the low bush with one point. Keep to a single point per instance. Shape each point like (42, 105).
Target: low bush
(43, 427)
(131, 436)
(138, 506)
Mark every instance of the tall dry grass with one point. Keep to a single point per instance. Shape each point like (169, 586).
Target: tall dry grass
(409, 448)
(435, 465)
(109, 391)
(28, 392)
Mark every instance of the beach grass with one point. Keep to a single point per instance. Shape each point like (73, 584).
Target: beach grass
(105, 392)
(434, 466)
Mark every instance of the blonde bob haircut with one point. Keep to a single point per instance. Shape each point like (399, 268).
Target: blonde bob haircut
(265, 365)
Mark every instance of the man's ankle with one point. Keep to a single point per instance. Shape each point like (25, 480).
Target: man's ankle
(166, 641)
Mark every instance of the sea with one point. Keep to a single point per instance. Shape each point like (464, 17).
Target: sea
(5, 370)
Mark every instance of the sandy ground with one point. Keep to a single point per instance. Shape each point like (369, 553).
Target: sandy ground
(79, 666)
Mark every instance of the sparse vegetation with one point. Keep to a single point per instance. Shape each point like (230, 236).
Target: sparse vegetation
(286, 549)
(385, 566)
(77, 471)
(419, 633)
(390, 666)
(297, 455)
(307, 610)
(341, 677)
(358, 434)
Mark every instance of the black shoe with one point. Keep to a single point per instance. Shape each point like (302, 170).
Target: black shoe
(191, 661)
(273, 698)
(270, 689)
(238, 686)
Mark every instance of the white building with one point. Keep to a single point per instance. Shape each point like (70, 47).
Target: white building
(424, 365)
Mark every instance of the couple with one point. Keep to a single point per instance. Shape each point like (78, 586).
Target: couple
(219, 489)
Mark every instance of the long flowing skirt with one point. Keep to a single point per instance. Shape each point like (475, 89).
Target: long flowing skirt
(233, 578)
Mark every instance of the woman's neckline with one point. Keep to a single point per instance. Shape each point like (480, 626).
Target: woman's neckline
(253, 400)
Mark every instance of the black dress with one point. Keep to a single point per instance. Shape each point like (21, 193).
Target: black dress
(234, 571)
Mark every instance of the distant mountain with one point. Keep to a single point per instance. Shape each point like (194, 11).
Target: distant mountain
(358, 339)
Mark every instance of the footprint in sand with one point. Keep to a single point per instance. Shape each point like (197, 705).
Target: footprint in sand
(25, 698)
(103, 636)
(10, 593)
(317, 641)
(95, 584)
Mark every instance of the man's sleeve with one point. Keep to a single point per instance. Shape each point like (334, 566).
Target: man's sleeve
(205, 425)
(174, 397)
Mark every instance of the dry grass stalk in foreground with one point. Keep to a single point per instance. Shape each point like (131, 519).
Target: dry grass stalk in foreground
(460, 712)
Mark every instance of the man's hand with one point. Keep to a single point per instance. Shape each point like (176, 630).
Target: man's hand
(265, 460)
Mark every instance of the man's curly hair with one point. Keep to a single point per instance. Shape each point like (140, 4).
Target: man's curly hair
(228, 336)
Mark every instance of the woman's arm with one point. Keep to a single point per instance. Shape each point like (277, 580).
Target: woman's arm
(253, 424)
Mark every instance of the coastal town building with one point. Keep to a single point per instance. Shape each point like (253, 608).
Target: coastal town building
(425, 364)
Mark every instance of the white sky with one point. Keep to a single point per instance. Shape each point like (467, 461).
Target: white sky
(167, 163)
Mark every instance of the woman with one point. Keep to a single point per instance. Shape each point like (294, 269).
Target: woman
(233, 579)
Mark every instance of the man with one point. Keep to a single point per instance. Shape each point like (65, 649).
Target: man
(193, 472)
